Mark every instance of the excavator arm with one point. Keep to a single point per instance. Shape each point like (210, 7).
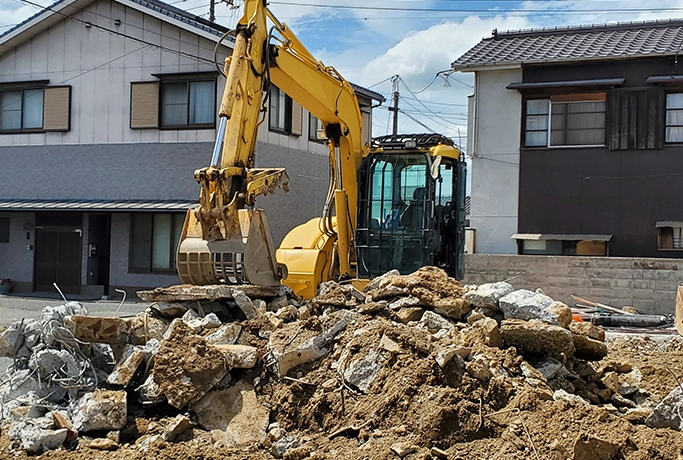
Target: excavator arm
(226, 239)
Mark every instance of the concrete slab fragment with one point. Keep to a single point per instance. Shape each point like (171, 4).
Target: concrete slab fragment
(235, 412)
(210, 292)
(104, 410)
(98, 329)
(241, 356)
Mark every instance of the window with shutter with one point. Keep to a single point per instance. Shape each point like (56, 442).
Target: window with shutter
(636, 118)
(57, 108)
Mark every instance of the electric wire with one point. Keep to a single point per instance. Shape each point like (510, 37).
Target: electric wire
(120, 34)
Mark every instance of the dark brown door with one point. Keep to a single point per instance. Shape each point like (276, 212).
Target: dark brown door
(58, 259)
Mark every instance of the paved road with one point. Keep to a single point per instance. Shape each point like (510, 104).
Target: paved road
(14, 308)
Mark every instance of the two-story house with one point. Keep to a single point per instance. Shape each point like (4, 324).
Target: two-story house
(576, 140)
(106, 109)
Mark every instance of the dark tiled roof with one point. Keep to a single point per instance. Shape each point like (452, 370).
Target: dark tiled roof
(564, 44)
(183, 16)
(368, 93)
(83, 205)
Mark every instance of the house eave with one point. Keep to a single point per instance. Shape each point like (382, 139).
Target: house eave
(60, 11)
(479, 67)
(38, 23)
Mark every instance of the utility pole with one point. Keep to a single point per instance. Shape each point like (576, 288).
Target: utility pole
(394, 108)
(212, 10)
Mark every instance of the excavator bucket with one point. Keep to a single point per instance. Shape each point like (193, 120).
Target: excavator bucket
(248, 258)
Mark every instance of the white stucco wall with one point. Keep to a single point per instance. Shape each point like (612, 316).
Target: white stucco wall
(495, 121)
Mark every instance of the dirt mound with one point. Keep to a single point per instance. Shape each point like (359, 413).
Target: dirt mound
(408, 368)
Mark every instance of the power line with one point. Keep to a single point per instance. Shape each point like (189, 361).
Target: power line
(121, 34)
(469, 10)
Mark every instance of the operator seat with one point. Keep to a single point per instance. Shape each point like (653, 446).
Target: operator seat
(412, 216)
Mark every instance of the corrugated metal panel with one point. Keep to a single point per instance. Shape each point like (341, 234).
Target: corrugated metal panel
(57, 108)
(560, 237)
(85, 205)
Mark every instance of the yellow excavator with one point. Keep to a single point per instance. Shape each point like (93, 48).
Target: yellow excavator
(397, 203)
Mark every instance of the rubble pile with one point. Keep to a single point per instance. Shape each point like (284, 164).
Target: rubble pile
(413, 366)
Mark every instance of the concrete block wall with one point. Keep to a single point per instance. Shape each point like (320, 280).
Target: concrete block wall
(647, 284)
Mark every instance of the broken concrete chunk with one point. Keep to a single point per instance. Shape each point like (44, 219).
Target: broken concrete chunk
(103, 444)
(549, 367)
(236, 412)
(408, 314)
(638, 415)
(562, 394)
(587, 329)
(390, 345)
(54, 363)
(60, 312)
(587, 447)
(629, 383)
(241, 356)
(133, 357)
(490, 331)
(403, 448)
(244, 303)
(277, 303)
(172, 309)
(144, 327)
(61, 420)
(288, 313)
(531, 373)
(35, 439)
(434, 322)
(226, 334)
(562, 312)
(537, 338)
(150, 393)
(611, 381)
(452, 307)
(186, 367)
(666, 413)
(284, 445)
(98, 329)
(528, 305)
(487, 295)
(9, 340)
(376, 282)
(404, 302)
(180, 424)
(479, 370)
(285, 353)
(352, 293)
(362, 373)
(620, 401)
(186, 292)
(100, 410)
(446, 355)
(590, 349)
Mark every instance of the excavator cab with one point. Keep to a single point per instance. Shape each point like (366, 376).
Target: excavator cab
(411, 206)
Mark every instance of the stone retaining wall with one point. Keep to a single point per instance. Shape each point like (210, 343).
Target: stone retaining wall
(646, 284)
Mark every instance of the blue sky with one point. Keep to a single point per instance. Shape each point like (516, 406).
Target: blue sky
(369, 41)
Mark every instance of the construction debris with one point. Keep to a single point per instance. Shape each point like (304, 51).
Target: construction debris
(412, 366)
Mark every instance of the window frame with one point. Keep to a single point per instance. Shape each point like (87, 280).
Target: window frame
(187, 81)
(173, 243)
(312, 133)
(569, 98)
(673, 230)
(666, 121)
(5, 230)
(22, 90)
(287, 125)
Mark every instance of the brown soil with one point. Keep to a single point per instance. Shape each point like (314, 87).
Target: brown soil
(412, 401)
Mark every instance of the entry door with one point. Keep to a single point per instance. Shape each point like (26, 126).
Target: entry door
(58, 259)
